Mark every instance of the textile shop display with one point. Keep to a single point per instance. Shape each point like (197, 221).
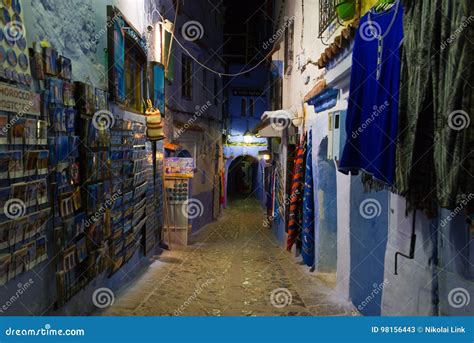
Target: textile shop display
(436, 133)
(307, 234)
(372, 115)
(296, 200)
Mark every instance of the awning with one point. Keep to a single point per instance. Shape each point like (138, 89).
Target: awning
(273, 123)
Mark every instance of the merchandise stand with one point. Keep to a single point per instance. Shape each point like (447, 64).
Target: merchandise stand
(175, 210)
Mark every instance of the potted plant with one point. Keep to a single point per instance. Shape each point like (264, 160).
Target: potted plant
(345, 9)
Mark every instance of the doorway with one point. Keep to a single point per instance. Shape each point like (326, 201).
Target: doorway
(242, 177)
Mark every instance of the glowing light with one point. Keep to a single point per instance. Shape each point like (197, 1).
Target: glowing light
(248, 137)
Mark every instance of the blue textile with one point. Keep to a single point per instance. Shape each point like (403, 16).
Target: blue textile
(372, 113)
(307, 234)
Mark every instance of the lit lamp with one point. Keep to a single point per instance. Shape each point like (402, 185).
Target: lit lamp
(265, 155)
(248, 137)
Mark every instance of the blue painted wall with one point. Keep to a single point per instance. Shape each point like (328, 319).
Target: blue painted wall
(368, 244)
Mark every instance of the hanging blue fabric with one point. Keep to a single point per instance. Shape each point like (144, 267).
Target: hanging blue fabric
(307, 235)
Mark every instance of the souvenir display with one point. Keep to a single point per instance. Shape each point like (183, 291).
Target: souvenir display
(3, 129)
(13, 44)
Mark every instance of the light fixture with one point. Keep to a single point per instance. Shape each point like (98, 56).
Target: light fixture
(248, 137)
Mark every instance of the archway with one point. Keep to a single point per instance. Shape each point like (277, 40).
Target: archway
(242, 177)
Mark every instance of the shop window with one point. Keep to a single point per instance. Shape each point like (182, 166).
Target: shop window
(289, 47)
(135, 75)
(186, 77)
(243, 108)
(251, 107)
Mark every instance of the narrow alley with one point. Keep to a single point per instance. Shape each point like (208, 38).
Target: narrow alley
(232, 267)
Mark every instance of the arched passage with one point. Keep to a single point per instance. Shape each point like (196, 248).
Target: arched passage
(242, 177)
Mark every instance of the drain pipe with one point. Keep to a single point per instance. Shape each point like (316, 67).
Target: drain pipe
(411, 254)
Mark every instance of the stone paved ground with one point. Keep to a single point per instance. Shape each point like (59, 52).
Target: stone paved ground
(231, 267)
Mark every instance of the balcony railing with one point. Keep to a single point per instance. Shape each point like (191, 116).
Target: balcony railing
(327, 10)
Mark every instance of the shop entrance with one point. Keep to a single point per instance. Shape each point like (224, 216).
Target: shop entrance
(242, 177)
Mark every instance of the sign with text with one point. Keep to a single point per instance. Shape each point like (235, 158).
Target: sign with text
(179, 167)
(17, 100)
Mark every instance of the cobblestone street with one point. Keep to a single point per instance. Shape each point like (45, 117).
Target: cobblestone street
(232, 267)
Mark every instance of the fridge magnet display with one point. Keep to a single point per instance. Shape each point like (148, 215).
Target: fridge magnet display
(19, 227)
(18, 261)
(30, 230)
(5, 262)
(3, 129)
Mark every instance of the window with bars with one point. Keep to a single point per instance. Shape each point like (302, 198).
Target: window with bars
(327, 10)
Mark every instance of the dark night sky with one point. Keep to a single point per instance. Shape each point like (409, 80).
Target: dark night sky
(246, 16)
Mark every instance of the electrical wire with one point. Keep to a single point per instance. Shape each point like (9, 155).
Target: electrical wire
(206, 67)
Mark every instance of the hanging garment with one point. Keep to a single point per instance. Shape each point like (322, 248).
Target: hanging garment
(307, 235)
(372, 114)
(436, 132)
(296, 201)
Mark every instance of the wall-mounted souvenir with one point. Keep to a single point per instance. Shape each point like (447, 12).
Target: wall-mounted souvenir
(21, 43)
(50, 57)
(58, 119)
(5, 16)
(76, 199)
(12, 58)
(65, 68)
(16, 6)
(23, 61)
(38, 65)
(68, 94)
(19, 227)
(66, 206)
(30, 230)
(3, 54)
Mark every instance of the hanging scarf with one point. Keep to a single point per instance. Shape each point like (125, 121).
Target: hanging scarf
(296, 200)
(307, 236)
